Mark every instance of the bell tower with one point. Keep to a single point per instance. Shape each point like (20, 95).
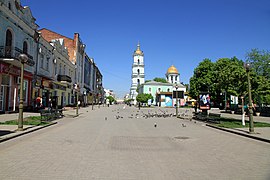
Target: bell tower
(137, 76)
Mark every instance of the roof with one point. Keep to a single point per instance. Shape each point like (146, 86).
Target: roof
(157, 83)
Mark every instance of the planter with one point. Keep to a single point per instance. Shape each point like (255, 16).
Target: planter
(232, 112)
(258, 113)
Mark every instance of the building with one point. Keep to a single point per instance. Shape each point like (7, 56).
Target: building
(138, 75)
(76, 52)
(18, 35)
(163, 93)
(56, 64)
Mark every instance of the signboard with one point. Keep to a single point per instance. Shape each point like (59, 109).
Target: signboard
(204, 101)
(179, 94)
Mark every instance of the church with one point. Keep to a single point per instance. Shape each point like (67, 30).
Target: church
(163, 93)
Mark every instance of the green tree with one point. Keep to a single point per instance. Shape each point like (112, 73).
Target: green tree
(230, 76)
(163, 80)
(224, 75)
(260, 75)
(143, 98)
(202, 78)
(111, 99)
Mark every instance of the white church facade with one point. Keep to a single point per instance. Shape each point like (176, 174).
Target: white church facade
(161, 92)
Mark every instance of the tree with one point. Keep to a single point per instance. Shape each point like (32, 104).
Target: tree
(260, 75)
(163, 80)
(111, 99)
(143, 98)
(224, 75)
(202, 78)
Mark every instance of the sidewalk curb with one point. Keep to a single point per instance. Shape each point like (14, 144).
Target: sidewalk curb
(25, 132)
(238, 133)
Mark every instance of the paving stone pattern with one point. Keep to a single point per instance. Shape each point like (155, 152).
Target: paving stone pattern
(100, 145)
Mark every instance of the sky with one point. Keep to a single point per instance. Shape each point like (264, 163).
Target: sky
(171, 32)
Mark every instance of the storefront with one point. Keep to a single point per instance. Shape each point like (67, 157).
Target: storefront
(10, 88)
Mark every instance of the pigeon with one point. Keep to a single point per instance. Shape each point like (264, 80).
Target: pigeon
(195, 122)
(155, 125)
(183, 125)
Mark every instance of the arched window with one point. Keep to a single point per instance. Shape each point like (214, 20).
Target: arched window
(25, 47)
(175, 78)
(138, 82)
(171, 79)
(138, 61)
(8, 43)
(168, 90)
(9, 6)
(138, 71)
(149, 90)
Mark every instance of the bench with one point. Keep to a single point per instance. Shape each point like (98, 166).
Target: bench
(45, 115)
(58, 113)
(214, 118)
(200, 116)
(51, 114)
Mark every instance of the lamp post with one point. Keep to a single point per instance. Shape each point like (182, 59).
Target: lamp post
(77, 97)
(251, 125)
(176, 87)
(23, 58)
(243, 111)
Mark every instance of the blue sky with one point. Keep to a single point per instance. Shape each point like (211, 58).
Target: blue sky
(176, 32)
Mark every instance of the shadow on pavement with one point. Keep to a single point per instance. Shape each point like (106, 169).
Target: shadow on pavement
(5, 132)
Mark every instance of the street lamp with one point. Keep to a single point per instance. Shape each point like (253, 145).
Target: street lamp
(251, 125)
(176, 87)
(77, 97)
(243, 111)
(23, 58)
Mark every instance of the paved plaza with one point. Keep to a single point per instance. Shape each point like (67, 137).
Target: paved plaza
(118, 143)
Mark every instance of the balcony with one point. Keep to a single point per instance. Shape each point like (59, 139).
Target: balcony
(10, 53)
(64, 78)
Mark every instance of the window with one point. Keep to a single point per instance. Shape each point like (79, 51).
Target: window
(168, 90)
(149, 90)
(9, 6)
(138, 71)
(41, 61)
(171, 79)
(175, 78)
(47, 63)
(55, 69)
(8, 43)
(8, 38)
(159, 89)
(60, 69)
(64, 69)
(25, 47)
(138, 61)
(138, 82)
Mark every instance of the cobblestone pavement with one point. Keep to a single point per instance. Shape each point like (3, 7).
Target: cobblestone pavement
(115, 143)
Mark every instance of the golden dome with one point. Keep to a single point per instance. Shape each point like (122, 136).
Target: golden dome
(138, 50)
(172, 70)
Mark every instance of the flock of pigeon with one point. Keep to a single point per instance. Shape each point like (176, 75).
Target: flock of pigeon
(151, 114)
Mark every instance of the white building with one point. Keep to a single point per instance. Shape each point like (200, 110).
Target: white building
(137, 72)
(18, 34)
